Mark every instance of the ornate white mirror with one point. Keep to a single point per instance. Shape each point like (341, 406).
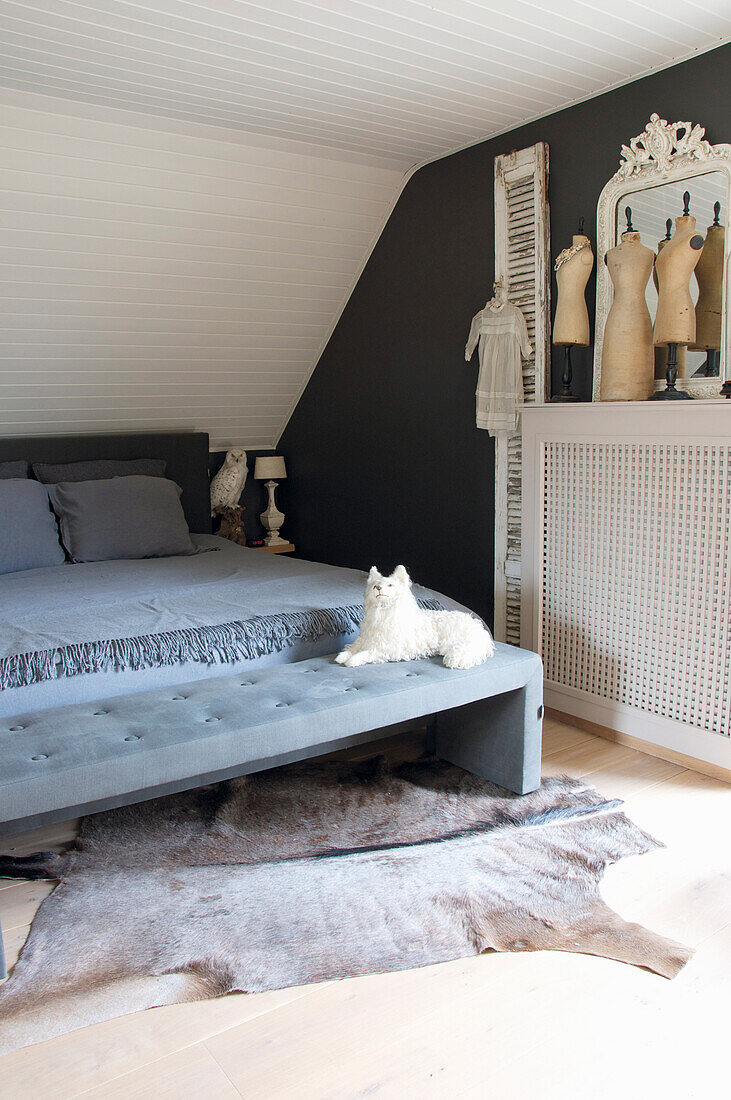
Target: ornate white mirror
(656, 171)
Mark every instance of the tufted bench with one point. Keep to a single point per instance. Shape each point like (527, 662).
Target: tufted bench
(64, 761)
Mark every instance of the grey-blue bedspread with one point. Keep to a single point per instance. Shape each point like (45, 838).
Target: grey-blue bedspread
(73, 633)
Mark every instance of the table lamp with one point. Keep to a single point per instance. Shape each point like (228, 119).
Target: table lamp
(271, 470)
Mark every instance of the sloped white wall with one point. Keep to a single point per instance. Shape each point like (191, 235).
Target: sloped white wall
(164, 275)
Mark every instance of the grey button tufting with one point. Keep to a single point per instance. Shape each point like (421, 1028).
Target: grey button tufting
(317, 720)
(16, 729)
(98, 713)
(247, 683)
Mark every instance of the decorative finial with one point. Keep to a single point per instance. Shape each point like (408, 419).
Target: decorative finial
(628, 216)
(668, 229)
(686, 203)
(716, 213)
(581, 227)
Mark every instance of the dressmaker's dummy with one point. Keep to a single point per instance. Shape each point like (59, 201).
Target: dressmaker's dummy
(628, 362)
(661, 352)
(709, 273)
(675, 317)
(573, 268)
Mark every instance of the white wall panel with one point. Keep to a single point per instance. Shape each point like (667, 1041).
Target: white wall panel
(164, 279)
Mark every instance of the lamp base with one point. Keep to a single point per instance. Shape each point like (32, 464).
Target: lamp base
(272, 519)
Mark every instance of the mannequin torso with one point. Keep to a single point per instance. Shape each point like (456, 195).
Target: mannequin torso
(661, 351)
(675, 318)
(709, 273)
(571, 324)
(627, 354)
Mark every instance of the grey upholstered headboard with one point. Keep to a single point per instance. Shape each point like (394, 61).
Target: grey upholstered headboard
(186, 455)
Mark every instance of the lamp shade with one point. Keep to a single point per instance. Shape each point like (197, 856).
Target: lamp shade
(270, 468)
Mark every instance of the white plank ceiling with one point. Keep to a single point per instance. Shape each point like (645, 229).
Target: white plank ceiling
(192, 186)
(407, 78)
(159, 279)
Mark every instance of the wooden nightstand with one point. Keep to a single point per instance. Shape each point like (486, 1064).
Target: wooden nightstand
(281, 548)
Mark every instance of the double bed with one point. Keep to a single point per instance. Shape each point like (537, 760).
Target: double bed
(112, 639)
(75, 633)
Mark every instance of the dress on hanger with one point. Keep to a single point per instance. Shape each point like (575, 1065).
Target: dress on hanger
(501, 331)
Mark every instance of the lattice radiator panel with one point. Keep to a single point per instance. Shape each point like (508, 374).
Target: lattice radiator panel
(635, 599)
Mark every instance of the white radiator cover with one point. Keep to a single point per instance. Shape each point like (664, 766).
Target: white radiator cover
(627, 559)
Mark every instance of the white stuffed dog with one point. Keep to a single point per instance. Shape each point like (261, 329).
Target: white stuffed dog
(395, 628)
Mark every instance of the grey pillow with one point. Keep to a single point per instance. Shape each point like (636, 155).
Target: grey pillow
(13, 469)
(28, 532)
(98, 469)
(121, 517)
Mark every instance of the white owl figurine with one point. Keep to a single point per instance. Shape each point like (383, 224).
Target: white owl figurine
(228, 484)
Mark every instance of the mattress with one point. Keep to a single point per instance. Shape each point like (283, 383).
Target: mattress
(59, 610)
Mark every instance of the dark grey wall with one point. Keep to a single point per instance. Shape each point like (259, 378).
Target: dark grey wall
(386, 464)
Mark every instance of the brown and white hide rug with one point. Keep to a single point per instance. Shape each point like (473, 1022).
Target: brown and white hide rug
(314, 872)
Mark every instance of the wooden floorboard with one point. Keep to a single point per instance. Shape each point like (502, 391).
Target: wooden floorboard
(192, 1072)
(498, 1026)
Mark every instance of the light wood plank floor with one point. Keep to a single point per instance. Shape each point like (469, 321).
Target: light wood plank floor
(503, 1027)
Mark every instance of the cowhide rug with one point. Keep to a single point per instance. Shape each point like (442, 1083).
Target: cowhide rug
(314, 872)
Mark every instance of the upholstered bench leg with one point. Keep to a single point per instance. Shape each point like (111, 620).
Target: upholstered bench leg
(498, 738)
(430, 742)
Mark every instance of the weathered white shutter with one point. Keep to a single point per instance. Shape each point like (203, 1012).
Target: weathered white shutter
(521, 261)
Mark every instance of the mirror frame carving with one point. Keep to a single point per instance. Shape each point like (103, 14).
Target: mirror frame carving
(663, 153)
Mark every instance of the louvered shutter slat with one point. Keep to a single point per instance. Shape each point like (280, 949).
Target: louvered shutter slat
(521, 261)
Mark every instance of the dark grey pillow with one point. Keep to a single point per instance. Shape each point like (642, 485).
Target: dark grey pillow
(28, 532)
(13, 469)
(121, 517)
(98, 469)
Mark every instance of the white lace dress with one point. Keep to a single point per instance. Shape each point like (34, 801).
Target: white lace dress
(502, 334)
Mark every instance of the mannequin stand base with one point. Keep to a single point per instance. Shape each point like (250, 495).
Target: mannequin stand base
(711, 367)
(671, 375)
(566, 378)
(670, 395)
